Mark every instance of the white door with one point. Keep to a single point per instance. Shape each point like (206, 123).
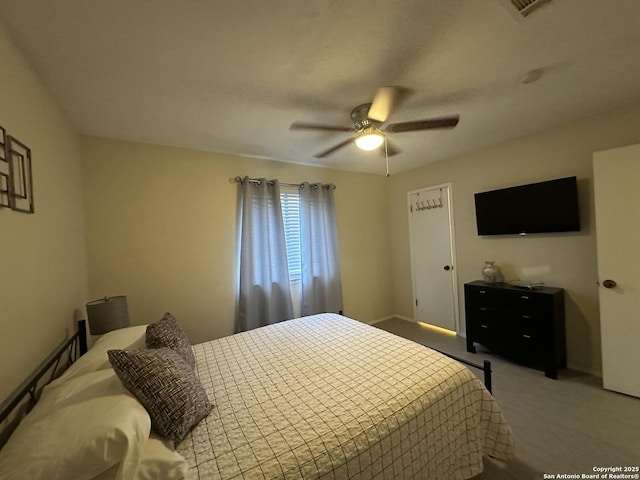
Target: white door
(432, 259)
(616, 179)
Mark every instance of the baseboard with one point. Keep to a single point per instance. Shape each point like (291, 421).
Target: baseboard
(407, 319)
(377, 320)
(577, 368)
(390, 317)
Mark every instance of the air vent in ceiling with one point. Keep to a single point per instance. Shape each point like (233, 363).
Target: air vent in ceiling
(525, 7)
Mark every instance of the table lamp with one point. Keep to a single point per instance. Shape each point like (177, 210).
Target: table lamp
(108, 313)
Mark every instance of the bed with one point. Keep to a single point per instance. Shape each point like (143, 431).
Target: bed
(323, 397)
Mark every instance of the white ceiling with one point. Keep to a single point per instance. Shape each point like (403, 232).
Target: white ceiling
(231, 76)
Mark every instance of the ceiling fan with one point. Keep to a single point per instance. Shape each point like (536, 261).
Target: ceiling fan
(368, 120)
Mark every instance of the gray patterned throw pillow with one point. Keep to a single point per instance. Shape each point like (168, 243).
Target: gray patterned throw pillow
(166, 387)
(168, 333)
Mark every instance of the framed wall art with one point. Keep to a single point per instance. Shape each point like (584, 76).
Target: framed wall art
(4, 171)
(16, 177)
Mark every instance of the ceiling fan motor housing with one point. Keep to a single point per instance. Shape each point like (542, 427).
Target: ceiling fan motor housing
(360, 118)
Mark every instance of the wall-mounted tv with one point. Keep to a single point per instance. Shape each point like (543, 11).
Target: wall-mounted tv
(543, 207)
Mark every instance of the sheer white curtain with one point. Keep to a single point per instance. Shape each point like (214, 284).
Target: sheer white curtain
(264, 296)
(321, 279)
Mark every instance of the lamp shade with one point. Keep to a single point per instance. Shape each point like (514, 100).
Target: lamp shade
(108, 313)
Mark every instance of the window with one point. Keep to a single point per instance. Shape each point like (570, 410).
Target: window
(290, 200)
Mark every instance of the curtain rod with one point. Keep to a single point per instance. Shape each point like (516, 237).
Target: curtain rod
(239, 179)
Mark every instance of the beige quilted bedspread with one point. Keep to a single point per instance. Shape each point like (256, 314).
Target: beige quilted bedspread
(327, 397)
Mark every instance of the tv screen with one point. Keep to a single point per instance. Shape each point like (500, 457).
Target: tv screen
(543, 207)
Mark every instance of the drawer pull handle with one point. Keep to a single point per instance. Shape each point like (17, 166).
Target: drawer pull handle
(484, 326)
(524, 297)
(484, 309)
(483, 291)
(526, 316)
(526, 336)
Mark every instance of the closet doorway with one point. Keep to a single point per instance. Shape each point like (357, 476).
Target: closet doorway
(431, 236)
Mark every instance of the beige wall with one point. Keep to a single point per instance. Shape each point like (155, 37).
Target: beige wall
(161, 229)
(43, 275)
(562, 260)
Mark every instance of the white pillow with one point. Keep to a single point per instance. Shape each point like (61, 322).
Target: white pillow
(96, 358)
(159, 461)
(79, 429)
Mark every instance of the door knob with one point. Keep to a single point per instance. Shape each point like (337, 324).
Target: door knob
(609, 284)
(447, 267)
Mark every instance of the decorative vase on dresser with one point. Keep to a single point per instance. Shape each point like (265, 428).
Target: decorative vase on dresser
(491, 272)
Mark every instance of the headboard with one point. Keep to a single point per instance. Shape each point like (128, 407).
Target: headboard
(23, 398)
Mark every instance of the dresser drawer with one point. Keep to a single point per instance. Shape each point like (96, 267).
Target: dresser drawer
(524, 301)
(485, 297)
(491, 326)
(513, 299)
(484, 325)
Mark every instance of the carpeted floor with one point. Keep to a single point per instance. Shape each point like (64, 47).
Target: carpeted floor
(567, 426)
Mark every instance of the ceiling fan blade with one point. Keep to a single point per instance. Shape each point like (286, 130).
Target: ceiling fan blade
(383, 103)
(317, 126)
(447, 122)
(334, 148)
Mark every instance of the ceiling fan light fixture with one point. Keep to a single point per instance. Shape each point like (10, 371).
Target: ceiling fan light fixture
(369, 139)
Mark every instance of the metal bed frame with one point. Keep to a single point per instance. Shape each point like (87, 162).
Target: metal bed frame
(485, 367)
(17, 405)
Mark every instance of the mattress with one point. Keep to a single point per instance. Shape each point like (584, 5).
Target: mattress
(328, 397)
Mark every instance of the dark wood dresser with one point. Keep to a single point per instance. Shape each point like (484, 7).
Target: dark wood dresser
(524, 324)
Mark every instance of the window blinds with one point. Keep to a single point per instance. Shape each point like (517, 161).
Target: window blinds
(291, 216)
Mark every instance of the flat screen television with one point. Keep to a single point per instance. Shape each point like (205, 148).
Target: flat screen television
(543, 207)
